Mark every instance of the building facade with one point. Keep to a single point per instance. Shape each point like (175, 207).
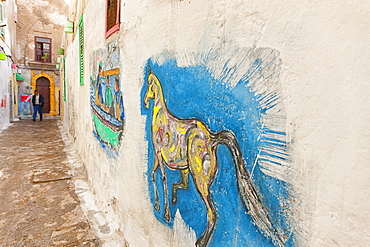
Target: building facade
(39, 38)
(222, 123)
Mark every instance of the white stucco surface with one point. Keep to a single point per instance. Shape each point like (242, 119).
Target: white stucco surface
(324, 83)
(7, 46)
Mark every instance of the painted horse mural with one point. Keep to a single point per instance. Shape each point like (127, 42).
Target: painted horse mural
(187, 145)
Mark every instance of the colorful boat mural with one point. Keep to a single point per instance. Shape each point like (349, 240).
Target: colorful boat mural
(106, 98)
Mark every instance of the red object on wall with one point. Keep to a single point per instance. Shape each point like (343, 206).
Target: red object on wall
(3, 102)
(24, 98)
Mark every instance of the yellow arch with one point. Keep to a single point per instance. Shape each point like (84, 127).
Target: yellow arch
(52, 88)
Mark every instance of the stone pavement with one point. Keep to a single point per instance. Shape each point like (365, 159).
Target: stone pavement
(39, 205)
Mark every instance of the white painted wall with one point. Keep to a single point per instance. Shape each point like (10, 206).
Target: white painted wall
(7, 45)
(325, 53)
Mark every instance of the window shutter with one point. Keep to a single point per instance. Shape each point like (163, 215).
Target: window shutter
(112, 17)
(42, 50)
(81, 48)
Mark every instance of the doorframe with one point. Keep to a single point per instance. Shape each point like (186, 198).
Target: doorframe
(52, 89)
(11, 100)
(43, 86)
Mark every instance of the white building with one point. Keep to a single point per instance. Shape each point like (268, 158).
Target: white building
(8, 104)
(289, 79)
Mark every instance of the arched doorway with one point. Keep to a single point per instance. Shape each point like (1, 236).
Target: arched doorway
(43, 86)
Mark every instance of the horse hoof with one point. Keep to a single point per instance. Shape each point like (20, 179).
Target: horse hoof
(156, 206)
(167, 217)
(200, 243)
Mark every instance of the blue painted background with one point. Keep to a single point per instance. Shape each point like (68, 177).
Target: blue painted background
(192, 92)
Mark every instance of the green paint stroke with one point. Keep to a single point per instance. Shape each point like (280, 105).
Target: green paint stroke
(106, 134)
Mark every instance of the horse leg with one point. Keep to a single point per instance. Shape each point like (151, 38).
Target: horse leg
(203, 167)
(183, 185)
(167, 215)
(155, 167)
(203, 189)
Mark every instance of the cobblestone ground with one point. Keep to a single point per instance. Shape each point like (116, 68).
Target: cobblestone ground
(38, 203)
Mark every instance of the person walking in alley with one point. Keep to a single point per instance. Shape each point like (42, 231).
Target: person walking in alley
(38, 103)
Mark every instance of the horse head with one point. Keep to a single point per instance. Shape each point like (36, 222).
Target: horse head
(151, 92)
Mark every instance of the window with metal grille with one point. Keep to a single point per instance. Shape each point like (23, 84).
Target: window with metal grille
(42, 50)
(112, 21)
(81, 48)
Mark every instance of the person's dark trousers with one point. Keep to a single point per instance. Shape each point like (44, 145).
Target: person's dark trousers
(37, 108)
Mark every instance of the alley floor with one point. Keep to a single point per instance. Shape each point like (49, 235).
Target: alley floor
(38, 201)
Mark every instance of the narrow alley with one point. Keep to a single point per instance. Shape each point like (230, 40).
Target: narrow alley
(184, 123)
(38, 202)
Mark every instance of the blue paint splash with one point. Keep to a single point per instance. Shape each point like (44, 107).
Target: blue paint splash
(192, 92)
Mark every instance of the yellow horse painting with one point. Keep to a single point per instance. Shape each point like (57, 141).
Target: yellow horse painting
(189, 146)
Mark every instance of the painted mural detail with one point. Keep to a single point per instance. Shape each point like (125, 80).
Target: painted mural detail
(216, 134)
(187, 145)
(106, 98)
(24, 105)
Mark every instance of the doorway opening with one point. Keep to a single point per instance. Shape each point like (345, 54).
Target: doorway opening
(43, 86)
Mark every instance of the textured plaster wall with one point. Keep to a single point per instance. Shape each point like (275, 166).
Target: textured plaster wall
(325, 54)
(33, 21)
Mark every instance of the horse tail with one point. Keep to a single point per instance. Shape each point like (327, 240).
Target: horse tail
(246, 188)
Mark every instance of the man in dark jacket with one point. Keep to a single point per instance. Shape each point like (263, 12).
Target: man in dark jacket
(38, 103)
